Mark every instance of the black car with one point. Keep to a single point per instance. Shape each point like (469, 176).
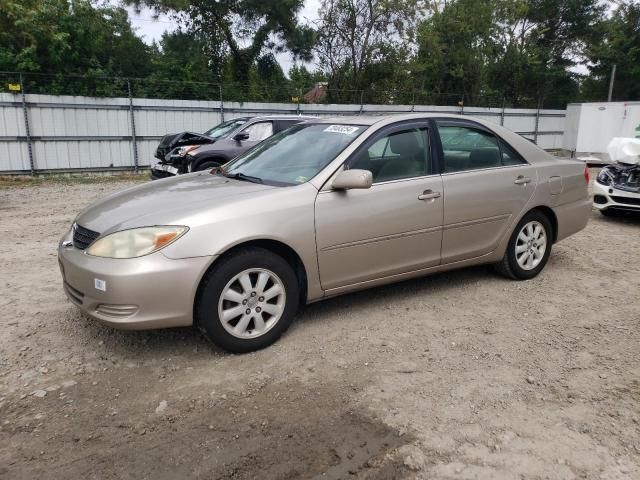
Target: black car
(191, 152)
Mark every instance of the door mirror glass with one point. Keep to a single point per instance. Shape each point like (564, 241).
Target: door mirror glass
(349, 179)
(238, 137)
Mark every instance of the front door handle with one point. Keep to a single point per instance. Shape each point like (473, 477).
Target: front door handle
(522, 180)
(428, 195)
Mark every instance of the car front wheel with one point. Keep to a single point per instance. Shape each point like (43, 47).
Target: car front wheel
(247, 300)
(529, 247)
(206, 165)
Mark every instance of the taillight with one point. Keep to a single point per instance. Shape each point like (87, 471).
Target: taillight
(586, 173)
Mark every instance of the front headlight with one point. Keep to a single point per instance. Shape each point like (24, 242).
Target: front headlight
(604, 178)
(182, 151)
(135, 242)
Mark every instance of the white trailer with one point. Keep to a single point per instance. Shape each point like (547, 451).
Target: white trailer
(589, 127)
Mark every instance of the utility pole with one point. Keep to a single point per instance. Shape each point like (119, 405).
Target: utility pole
(611, 81)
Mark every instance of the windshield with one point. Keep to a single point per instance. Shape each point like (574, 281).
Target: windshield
(224, 128)
(294, 155)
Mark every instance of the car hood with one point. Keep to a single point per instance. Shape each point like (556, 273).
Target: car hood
(624, 177)
(163, 202)
(172, 141)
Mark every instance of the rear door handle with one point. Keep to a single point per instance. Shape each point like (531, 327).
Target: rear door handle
(428, 195)
(522, 180)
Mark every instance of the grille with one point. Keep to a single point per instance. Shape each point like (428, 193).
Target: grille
(627, 200)
(83, 237)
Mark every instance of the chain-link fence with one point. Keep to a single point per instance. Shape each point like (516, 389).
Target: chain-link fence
(320, 93)
(83, 123)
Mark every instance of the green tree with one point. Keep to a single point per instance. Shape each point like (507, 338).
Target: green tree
(562, 29)
(522, 50)
(61, 36)
(240, 32)
(301, 78)
(353, 35)
(180, 69)
(47, 36)
(617, 43)
(454, 47)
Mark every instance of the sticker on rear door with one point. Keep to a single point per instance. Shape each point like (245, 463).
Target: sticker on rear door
(344, 129)
(100, 284)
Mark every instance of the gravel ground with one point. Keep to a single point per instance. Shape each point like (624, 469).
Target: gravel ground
(462, 375)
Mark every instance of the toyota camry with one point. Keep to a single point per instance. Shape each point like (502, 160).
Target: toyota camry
(321, 209)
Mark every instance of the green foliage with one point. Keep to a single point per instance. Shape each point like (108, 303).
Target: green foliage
(60, 36)
(356, 38)
(617, 43)
(522, 50)
(180, 69)
(455, 46)
(240, 34)
(301, 79)
(489, 52)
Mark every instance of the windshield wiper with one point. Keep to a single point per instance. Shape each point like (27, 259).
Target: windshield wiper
(242, 176)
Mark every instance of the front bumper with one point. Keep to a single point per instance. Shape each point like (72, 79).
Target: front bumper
(607, 197)
(139, 293)
(162, 170)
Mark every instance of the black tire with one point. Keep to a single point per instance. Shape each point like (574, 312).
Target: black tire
(223, 271)
(509, 266)
(206, 165)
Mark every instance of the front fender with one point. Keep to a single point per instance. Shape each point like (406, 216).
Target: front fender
(282, 214)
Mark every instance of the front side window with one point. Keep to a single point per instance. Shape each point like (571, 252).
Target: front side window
(402, 154)
(259, 131)
(295, 155)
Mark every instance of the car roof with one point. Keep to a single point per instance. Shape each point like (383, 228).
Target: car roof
(282, 117)
(525, 147)
(395, 117)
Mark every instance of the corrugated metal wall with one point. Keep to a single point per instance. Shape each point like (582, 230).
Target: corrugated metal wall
(81, 133)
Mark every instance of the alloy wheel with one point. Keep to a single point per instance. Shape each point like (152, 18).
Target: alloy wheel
(251, 303)
(531, 245)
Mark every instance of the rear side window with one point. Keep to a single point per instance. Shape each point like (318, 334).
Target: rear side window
(510, 156)
(466, 148)
(398, 155)
(259, 131)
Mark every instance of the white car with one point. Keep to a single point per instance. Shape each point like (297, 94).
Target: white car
(617, 186)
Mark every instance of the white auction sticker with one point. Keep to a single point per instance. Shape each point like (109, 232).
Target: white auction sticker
(100, 284)
(344, 129)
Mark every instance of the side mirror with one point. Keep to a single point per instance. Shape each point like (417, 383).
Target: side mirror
(348, 179)
(238, 137)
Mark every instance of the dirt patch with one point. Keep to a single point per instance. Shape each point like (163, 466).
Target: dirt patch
(250, 434)
(463, 375)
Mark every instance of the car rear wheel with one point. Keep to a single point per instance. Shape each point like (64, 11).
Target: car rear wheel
(207, 165)
(247, 300)
(528, 249)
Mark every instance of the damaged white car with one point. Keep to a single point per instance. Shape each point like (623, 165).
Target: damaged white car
(617, 186)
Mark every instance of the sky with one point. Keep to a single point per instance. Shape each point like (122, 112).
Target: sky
(151, 29)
